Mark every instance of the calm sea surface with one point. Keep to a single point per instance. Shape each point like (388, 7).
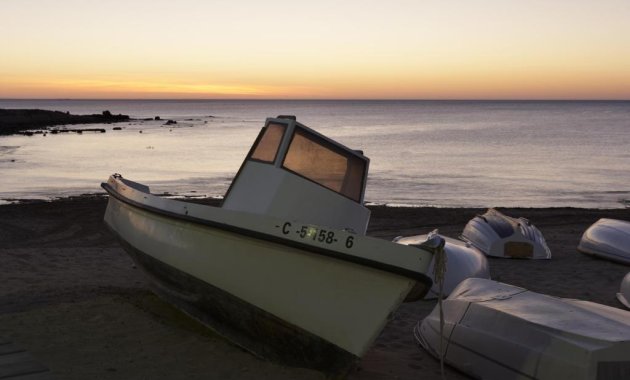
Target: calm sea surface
(439, 153)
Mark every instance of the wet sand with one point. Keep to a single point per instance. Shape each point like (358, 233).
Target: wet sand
(72, 297)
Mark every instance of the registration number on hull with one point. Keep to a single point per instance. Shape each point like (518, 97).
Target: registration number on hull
(314, 233)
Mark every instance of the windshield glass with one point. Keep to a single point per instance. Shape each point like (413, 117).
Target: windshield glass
(325, 164)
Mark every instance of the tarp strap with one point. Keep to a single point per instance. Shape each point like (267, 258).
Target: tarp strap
(439, 272)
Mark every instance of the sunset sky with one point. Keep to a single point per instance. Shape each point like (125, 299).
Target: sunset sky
(326, 49)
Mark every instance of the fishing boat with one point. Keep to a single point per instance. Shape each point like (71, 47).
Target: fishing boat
(624, 292)
(498, 331)
(499, 235)
(609, 239)
(283, 268)
(462, 261)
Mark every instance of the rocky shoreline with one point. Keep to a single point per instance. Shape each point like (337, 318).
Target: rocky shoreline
(13, 121)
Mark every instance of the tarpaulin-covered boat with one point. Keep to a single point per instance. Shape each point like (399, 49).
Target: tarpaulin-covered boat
(499, 331)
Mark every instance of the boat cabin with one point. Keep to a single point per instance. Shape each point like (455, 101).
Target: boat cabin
(293, 172)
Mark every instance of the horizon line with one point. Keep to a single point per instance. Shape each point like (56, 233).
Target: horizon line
(329, 99)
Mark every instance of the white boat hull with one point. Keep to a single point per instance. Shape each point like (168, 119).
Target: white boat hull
(499, 235)
(498, 331)
(294, 299)
(462, 261)
(609, 239)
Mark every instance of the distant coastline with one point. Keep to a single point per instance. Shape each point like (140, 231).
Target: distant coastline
(18, 120)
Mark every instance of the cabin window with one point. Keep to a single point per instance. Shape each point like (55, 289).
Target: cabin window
(267, 147)
(325, 164)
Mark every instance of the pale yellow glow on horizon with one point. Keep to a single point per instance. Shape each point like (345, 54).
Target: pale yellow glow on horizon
(486, 49)
(120, 87)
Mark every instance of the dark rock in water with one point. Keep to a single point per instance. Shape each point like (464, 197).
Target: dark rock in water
(16, 120)
(157, 118)
(117, 128)
(99, 130)
(170, 122)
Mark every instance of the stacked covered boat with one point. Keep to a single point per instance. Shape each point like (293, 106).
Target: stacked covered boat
(499, 331)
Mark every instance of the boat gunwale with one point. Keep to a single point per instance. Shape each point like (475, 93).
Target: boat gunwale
(417, 276)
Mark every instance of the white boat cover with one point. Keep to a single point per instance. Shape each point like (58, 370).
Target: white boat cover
(499, 331)
(496, 234)
(607, 238)
(624, 292)
(462, 261)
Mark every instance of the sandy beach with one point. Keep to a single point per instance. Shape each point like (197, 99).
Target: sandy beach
(73, 298)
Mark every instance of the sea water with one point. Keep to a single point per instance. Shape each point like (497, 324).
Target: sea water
(423, 153)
